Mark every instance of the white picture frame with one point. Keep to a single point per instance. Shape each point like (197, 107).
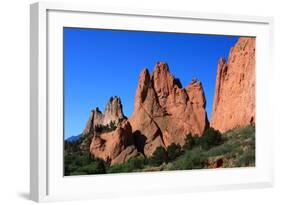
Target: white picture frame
(47, 182)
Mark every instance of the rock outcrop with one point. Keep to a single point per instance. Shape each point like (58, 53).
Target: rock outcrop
(113, 113)
(96, 118)
(116, 146)
(164, 112)
(234, 100)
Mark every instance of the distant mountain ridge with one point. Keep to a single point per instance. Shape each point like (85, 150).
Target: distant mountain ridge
(73, 138)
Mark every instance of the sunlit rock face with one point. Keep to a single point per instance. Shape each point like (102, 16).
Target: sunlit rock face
(164, 112)
(115, 147)
(234, 99)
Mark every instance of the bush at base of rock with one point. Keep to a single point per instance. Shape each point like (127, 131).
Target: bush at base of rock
(95, 167)
(158, 157)
(83, 164)
(193, 160)
(210, 138)
(133, 164)
(191, 142)
(173, 151)
(105, 128)
(237, 149)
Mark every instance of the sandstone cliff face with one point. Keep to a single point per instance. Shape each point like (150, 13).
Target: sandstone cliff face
(234, 100)
(113, 112)
(164, 112)
(114, 147)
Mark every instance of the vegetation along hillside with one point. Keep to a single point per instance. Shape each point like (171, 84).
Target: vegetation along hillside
(234, 148)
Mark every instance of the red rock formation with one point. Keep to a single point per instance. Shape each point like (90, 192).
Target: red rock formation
(234, 100)
(164, 112)
(125, 155)
(116, 146)
(113, 113)
(96, 118)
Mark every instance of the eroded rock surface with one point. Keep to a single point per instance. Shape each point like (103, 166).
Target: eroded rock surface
(164, 112)
(116, 146)
(234, 100)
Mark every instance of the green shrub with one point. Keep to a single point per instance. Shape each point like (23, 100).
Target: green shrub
(95, 167)
(112, 125)
(83, 163)
(138, 162)
(189, 142)
(119, 168)
(69, 168)
(78, 173)
(193, 160)
(133, 164)
(210, 138)
(105, 128)
(158, 157)
(173, 151)
(221, 150)
(247, 159)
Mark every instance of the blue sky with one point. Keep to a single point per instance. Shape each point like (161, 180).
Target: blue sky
(103, 63)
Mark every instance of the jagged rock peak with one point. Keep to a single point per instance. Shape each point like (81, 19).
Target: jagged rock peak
(196, 93)
(163, 82)
(96, 118)
(195, 81)
(96, 110)
(160, 65)
(165, 112)
(222, 61)
(113, 113)
(143, 84)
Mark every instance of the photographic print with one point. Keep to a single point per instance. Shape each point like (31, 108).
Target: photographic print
(143, 101)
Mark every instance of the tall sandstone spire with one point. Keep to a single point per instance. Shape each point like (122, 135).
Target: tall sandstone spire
(234, 99)
(164, 112)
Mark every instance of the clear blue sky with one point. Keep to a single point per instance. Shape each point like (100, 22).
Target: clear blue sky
(103, 63)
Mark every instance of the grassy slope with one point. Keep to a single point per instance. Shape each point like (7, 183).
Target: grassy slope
(236, 150)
